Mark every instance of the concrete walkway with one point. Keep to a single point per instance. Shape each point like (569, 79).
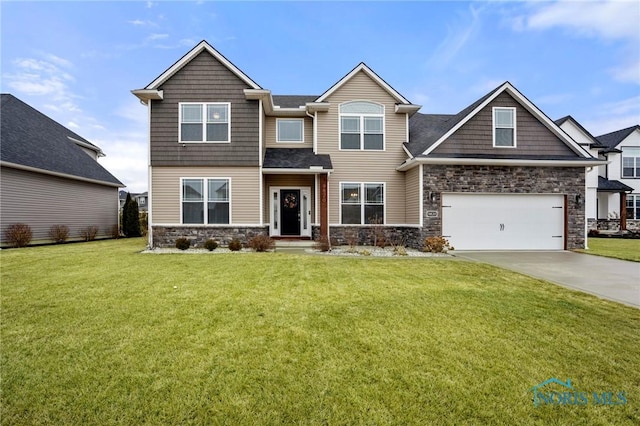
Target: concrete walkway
(610, 279)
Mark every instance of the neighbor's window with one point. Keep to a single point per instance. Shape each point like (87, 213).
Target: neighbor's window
(290, 130)
(216, 194)
(630, 162)
(362, 203)
(504, 127)
(361, 126)
(633, 206)
(204, 122)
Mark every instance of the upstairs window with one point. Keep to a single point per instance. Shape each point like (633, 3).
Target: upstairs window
(290, 130)
(361, 126)
(504, 127)
(204, 122)
(630, 162)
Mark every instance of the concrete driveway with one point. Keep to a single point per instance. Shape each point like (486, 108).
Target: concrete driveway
(610, 279)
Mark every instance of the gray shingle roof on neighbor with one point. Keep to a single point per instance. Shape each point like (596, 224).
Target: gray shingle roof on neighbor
(295, 158)
(292, 101)
(607, 185)
(30, 138)
(611, 140)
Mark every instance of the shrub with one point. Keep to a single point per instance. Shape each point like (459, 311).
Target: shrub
(436, 245)
(593, 233)
(322, 244)
(18, 234)
(89, 233)
(400, 251)
(144, 223)
(114, 231)
(211, 245)
(182, 243)
(262, 243)
(130, 218)
(235, 245)
(352, 236)
(59, 233)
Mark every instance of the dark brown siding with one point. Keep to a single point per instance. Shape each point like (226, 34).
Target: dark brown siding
(476, 136)
(204, 79)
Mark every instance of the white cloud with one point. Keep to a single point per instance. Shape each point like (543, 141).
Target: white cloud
(153, 37)
(72, 125)
(458, 35)
(629, 72)
(615, 116)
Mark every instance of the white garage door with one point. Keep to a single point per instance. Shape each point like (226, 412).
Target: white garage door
(503, 221)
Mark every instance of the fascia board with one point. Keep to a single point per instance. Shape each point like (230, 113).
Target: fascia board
(499, 162)
(58, 174)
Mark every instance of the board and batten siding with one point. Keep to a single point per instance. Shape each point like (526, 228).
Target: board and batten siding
(166, 188)
(204, 79)
(270, 134)
(413, 200)
(288, 181)
(365, 166)
(42, 200)
(476, 135)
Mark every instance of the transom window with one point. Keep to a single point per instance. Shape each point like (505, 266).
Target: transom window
(630, 162)
(204, 122)
(633, 206)
(290, 130)
(362, 203)
(504, 127)
(361, 126)
(205, 201)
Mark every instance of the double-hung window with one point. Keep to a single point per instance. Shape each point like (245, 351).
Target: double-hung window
(362, 126)
(205, 201)
(504, 127)
(290, 130)
(205, 122)
(362, 203)
(630, 162)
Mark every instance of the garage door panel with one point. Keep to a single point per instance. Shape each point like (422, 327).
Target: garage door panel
(503, 221)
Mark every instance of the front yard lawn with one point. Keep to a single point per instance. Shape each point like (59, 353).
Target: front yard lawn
(95, 333)
(625, 249)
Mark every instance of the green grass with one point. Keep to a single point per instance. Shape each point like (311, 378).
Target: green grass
(96, 333)
(625, 249)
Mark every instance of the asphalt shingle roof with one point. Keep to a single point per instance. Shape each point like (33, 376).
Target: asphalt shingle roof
(611, 140)
(607, 185)
(30, 138)
(295, 158)
(292, 101)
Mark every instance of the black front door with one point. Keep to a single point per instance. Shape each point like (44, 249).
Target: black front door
(290, 211)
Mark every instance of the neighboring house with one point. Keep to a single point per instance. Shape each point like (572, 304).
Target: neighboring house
(51, 176)
(142, 199)
(229, 159)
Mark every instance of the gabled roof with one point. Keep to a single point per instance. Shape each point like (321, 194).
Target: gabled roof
(613, 139)
(593, 141)
(424, 142)
(33, 141)
(375, 77)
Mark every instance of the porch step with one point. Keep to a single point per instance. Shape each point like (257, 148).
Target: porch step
(294, 244)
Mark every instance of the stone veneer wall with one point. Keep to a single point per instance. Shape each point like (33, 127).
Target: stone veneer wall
(367, 235)
(614, 225)
(165, 236)
(569, 181)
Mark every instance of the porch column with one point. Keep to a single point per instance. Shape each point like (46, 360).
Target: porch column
(324, 213)
(623, 211)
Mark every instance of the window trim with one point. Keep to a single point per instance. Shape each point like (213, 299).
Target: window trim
(203, 106)
(362, 203)
(494, 127)
(280, 120)
(635, 198)
(205, 199)
(636, 163)
(361, 117)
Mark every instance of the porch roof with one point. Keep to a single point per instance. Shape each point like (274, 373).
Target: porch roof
(606, 185)
(296, 159)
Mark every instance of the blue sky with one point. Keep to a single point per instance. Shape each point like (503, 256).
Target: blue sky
(78, 61)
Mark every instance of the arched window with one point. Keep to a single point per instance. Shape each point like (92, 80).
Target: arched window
(361, 126)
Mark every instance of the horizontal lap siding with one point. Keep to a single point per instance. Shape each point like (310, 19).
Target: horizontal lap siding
(365, 166)
(41, 200)
(245, 200)
(271, 136)
(288, 181)
(476, 136)
(413, 196)
(204, 79)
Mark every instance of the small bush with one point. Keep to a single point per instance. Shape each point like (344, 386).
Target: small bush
(182, 243)
(593, 233)
(18, 234)
(262, 243)
(59, 233)
(436, 245)
(400, 251)
(211, 245)
(322, 244)
(89, 233)
(365, 252)
(114, 231)
(352, 236)
(235, 245)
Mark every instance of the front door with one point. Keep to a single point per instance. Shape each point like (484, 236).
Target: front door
(290, 211)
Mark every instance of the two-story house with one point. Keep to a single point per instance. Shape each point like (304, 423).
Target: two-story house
(229, 159)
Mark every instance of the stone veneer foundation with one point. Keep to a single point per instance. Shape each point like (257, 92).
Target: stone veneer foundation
(166, 236)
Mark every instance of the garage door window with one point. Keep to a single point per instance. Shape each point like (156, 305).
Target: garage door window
(504, 127)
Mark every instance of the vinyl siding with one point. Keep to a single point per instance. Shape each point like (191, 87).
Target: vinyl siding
(291, 181)
(41, 200)
(476, 136)
(165, 196)
(270, 134)
(413, 189)
(365, 166)
(204, 79)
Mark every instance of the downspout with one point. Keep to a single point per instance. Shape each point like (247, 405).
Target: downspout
(149, 180)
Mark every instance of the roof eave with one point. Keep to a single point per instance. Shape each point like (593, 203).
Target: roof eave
(498, 162)
(63, 175)
(284, 170)
(146, 95)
